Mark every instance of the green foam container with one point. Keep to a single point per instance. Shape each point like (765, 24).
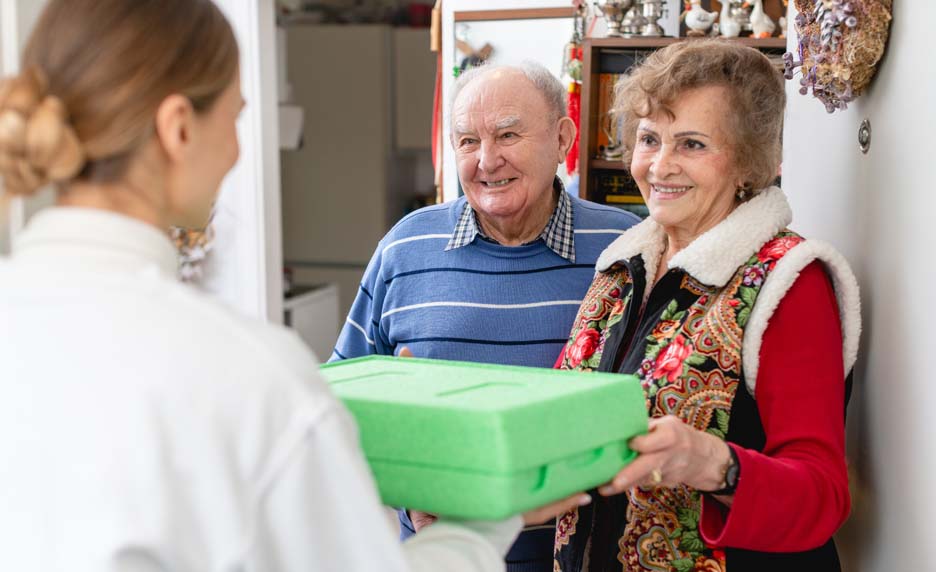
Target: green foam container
(480, 441)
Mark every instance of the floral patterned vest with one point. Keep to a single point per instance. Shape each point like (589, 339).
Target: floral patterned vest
(685, 345)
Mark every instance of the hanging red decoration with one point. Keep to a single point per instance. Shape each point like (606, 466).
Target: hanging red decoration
(575, 112)
(572, 72)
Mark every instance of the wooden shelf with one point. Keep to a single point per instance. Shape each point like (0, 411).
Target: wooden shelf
(630, 42)
(605, 164)
(514, 14)
(637, 43)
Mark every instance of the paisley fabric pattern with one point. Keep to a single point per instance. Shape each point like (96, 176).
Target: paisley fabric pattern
(684, 345)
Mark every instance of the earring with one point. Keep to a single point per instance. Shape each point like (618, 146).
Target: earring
(741, 194)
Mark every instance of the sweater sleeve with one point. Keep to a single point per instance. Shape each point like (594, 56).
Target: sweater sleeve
(360, 334)
(793, 495)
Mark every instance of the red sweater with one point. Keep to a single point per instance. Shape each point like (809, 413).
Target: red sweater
(793, 495)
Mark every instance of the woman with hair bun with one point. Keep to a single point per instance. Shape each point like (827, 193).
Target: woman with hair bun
(142, 425)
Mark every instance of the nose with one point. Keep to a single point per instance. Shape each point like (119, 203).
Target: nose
(665, 162)
(490, 158)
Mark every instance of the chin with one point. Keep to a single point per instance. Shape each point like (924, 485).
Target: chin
(666, 215)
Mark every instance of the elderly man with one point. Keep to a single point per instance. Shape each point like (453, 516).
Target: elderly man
(498, 275)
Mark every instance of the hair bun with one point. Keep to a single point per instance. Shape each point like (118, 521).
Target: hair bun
(37, 143)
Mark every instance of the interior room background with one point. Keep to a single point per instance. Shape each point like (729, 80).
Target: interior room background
(364, 161)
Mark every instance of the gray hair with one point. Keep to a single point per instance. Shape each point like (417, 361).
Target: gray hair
(541, 78)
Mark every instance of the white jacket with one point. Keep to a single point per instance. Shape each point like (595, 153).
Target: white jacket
(145, 427)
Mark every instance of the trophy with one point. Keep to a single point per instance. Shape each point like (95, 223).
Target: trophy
(633, 22)
(613, 12)
(652, 12)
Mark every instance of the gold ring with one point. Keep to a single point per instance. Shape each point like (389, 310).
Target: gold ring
(656, 476)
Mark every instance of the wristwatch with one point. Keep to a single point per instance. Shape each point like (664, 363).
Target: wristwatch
(732, 475)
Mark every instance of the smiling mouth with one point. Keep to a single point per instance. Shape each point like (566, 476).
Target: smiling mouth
(670, 190)
(497, 184)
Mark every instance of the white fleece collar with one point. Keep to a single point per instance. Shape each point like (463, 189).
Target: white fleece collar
(714, 257)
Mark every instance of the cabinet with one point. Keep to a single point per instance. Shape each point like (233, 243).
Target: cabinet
(366, 91)
(608, 181)
(312, 311)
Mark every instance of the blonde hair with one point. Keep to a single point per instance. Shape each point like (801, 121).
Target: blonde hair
(756, 99)
(94, 74)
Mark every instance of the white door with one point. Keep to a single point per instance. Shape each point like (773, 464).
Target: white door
(245, 268)
(17, 18)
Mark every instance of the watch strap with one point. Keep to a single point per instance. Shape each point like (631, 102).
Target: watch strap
(732, 475)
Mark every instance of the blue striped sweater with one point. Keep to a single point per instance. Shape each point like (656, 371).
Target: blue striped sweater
(482, 302)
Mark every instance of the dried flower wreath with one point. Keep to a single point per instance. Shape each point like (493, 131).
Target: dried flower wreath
(840, 44)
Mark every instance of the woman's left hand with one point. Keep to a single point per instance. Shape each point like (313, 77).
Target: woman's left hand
(673, 453)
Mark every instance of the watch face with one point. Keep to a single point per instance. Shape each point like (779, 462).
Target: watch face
(731, 476)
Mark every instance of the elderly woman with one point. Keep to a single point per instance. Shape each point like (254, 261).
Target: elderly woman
(740, 331)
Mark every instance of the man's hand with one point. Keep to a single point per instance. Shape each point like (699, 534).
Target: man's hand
(421, 519)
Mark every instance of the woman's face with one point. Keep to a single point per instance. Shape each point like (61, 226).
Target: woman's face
(684, 166)
(215, 150)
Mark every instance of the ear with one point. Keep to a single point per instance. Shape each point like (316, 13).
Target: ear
(174, 124)
(566, 137)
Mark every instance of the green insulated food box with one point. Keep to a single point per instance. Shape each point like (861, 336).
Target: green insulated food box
(480, 441)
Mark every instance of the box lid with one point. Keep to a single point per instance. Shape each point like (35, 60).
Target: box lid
(482, 417)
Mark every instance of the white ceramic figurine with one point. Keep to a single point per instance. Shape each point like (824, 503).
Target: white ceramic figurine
(698, 20)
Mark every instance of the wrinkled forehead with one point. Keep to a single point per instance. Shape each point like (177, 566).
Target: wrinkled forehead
(499, 99)
(705, 110)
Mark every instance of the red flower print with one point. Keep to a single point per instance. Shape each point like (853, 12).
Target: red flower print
(771, 252)
(584, 346)
(670, 361)
(616, 293)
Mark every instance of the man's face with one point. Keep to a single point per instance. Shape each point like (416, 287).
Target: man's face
(507, 145)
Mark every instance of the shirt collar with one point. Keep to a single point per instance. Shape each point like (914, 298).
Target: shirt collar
(558, 234)
(95, 238)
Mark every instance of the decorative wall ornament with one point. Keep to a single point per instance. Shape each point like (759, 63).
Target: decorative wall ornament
(840, 44)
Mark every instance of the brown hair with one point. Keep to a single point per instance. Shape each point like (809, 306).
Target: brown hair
(94, 74)
(756, 99)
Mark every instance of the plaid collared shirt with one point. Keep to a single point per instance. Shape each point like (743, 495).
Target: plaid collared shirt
(558, 234)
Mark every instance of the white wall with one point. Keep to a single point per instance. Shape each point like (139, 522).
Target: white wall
(878, 210)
